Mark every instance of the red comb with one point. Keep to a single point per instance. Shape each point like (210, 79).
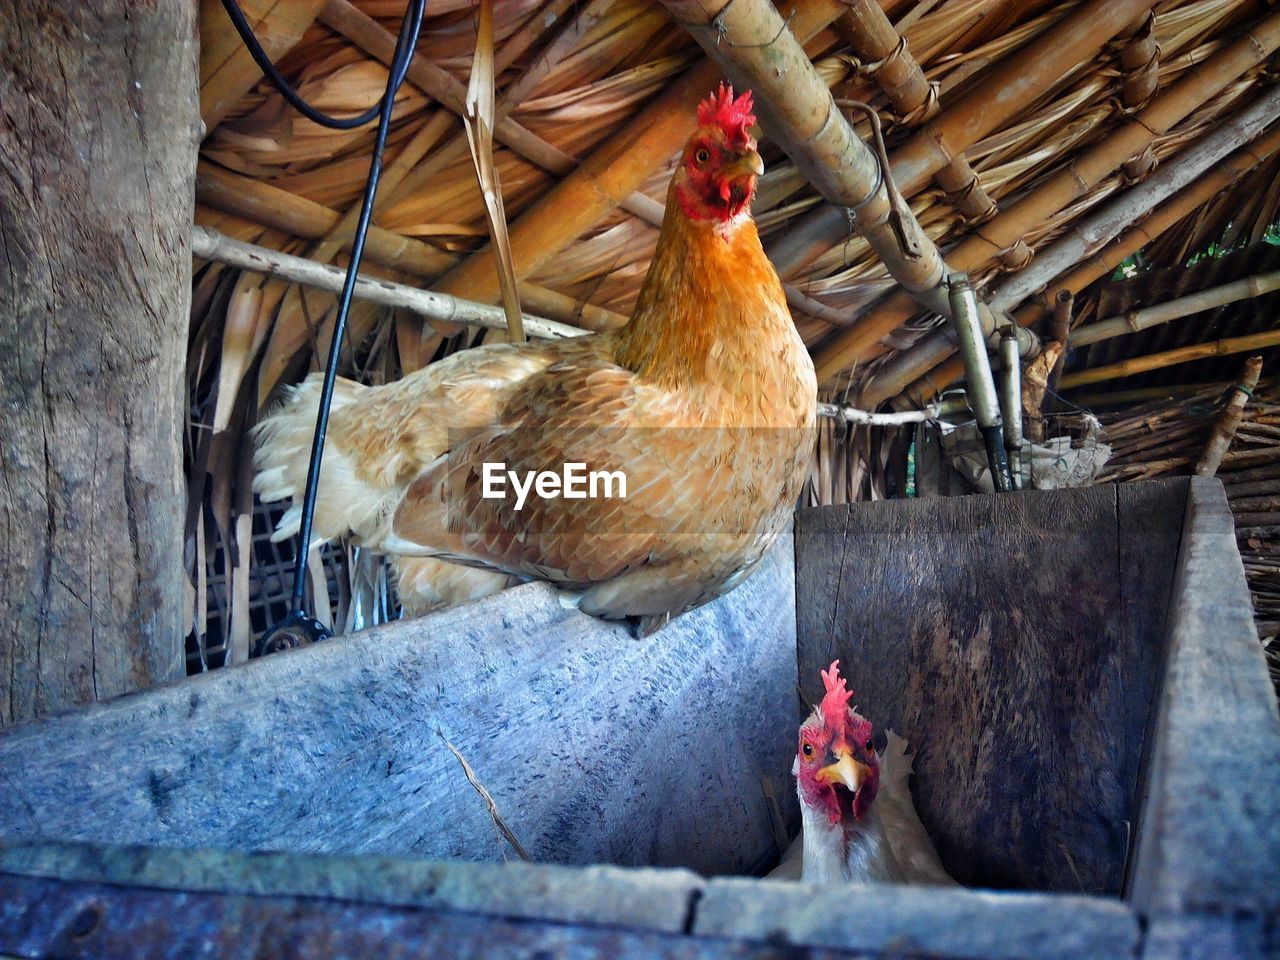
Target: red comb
(732, 116)
(835, 705)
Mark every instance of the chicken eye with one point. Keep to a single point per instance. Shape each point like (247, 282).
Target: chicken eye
(870, 744)
(702, 156)
(807, 750)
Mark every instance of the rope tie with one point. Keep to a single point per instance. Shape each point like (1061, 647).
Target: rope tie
(926, 109)
(959, 198)
(1016, 256)
(722, 32)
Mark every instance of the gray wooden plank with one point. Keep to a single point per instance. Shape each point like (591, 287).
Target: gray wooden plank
(888, 921)
(593, 744)
(162, 903)
(1210, 839)
(79, 921)
(1150, 536)
(991, 632)
(646, 899)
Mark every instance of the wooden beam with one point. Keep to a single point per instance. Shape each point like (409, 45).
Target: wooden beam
(98, 145)
(612, 173)
(212, 245)
(1169, 358)
(1004, 90)
(1071, 182)
(1136, 320)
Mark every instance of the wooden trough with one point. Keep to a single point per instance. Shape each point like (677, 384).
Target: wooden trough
(1097, 741)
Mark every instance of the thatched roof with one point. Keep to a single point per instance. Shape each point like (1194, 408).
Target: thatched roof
(1010, 168)
(583, 80)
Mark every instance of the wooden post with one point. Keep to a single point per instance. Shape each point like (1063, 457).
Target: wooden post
(99, 122)
(1228, 419)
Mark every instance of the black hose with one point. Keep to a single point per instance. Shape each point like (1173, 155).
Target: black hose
(997, 459)
(416, 7)
(286, 633)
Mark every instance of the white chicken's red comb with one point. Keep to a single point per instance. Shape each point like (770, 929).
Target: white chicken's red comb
(835, 705)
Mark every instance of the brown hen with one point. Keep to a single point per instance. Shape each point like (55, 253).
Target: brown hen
(704, 401)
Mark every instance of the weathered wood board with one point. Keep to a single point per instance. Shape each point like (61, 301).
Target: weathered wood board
(596, 746)
(1207, 873)
(161, 904)
(1015, 641)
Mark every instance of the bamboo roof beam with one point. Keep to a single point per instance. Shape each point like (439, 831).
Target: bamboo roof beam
(366, 33)
(1165, 212)
(884, 54)
(1140, 66)
(1070, 183)
(1098, 228)
(751, 42)
(297, 216)
(1169, 358)
(614, 171)
(212, 245)
(1169, 213)
(1136, 320)
(1008, 87)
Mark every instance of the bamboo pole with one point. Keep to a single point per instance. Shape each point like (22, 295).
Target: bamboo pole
(1009, 86)
(366, 33)
(281, 210)
(751, 42)
(1228, 419)
(1166, 215)
(909, 372)
(1097, 229)
(1063, 307)
(1235, 480)
(1169, 358)
(212, 245)
(1069, 184)
(835, 411)
(613, 172)
(1140, 66)
(1135, 320)
(884, 55)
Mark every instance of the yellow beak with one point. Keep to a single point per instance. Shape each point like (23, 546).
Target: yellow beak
(747, 164)
(845, 770)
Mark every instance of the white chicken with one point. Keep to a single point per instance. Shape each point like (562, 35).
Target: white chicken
(858, 823)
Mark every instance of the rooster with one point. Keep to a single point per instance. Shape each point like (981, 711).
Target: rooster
(705, 402)
(858, 824)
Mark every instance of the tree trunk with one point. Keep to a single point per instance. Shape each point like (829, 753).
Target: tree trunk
(98, 136)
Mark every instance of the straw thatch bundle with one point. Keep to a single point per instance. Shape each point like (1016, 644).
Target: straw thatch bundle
(590, 116)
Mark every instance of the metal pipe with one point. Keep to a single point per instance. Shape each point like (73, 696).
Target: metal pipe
(1011, 404)
(980, 383)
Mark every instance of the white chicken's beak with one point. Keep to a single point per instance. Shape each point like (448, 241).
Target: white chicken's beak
(845, 771)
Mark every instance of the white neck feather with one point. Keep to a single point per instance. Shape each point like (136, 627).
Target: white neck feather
(840, 853)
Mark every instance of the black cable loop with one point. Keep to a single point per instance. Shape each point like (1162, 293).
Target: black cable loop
(295, 99)
(297, 627)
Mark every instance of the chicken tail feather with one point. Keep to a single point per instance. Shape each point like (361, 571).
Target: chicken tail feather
(282, 454)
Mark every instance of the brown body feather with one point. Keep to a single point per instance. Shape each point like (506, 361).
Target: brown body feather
(705, 401)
